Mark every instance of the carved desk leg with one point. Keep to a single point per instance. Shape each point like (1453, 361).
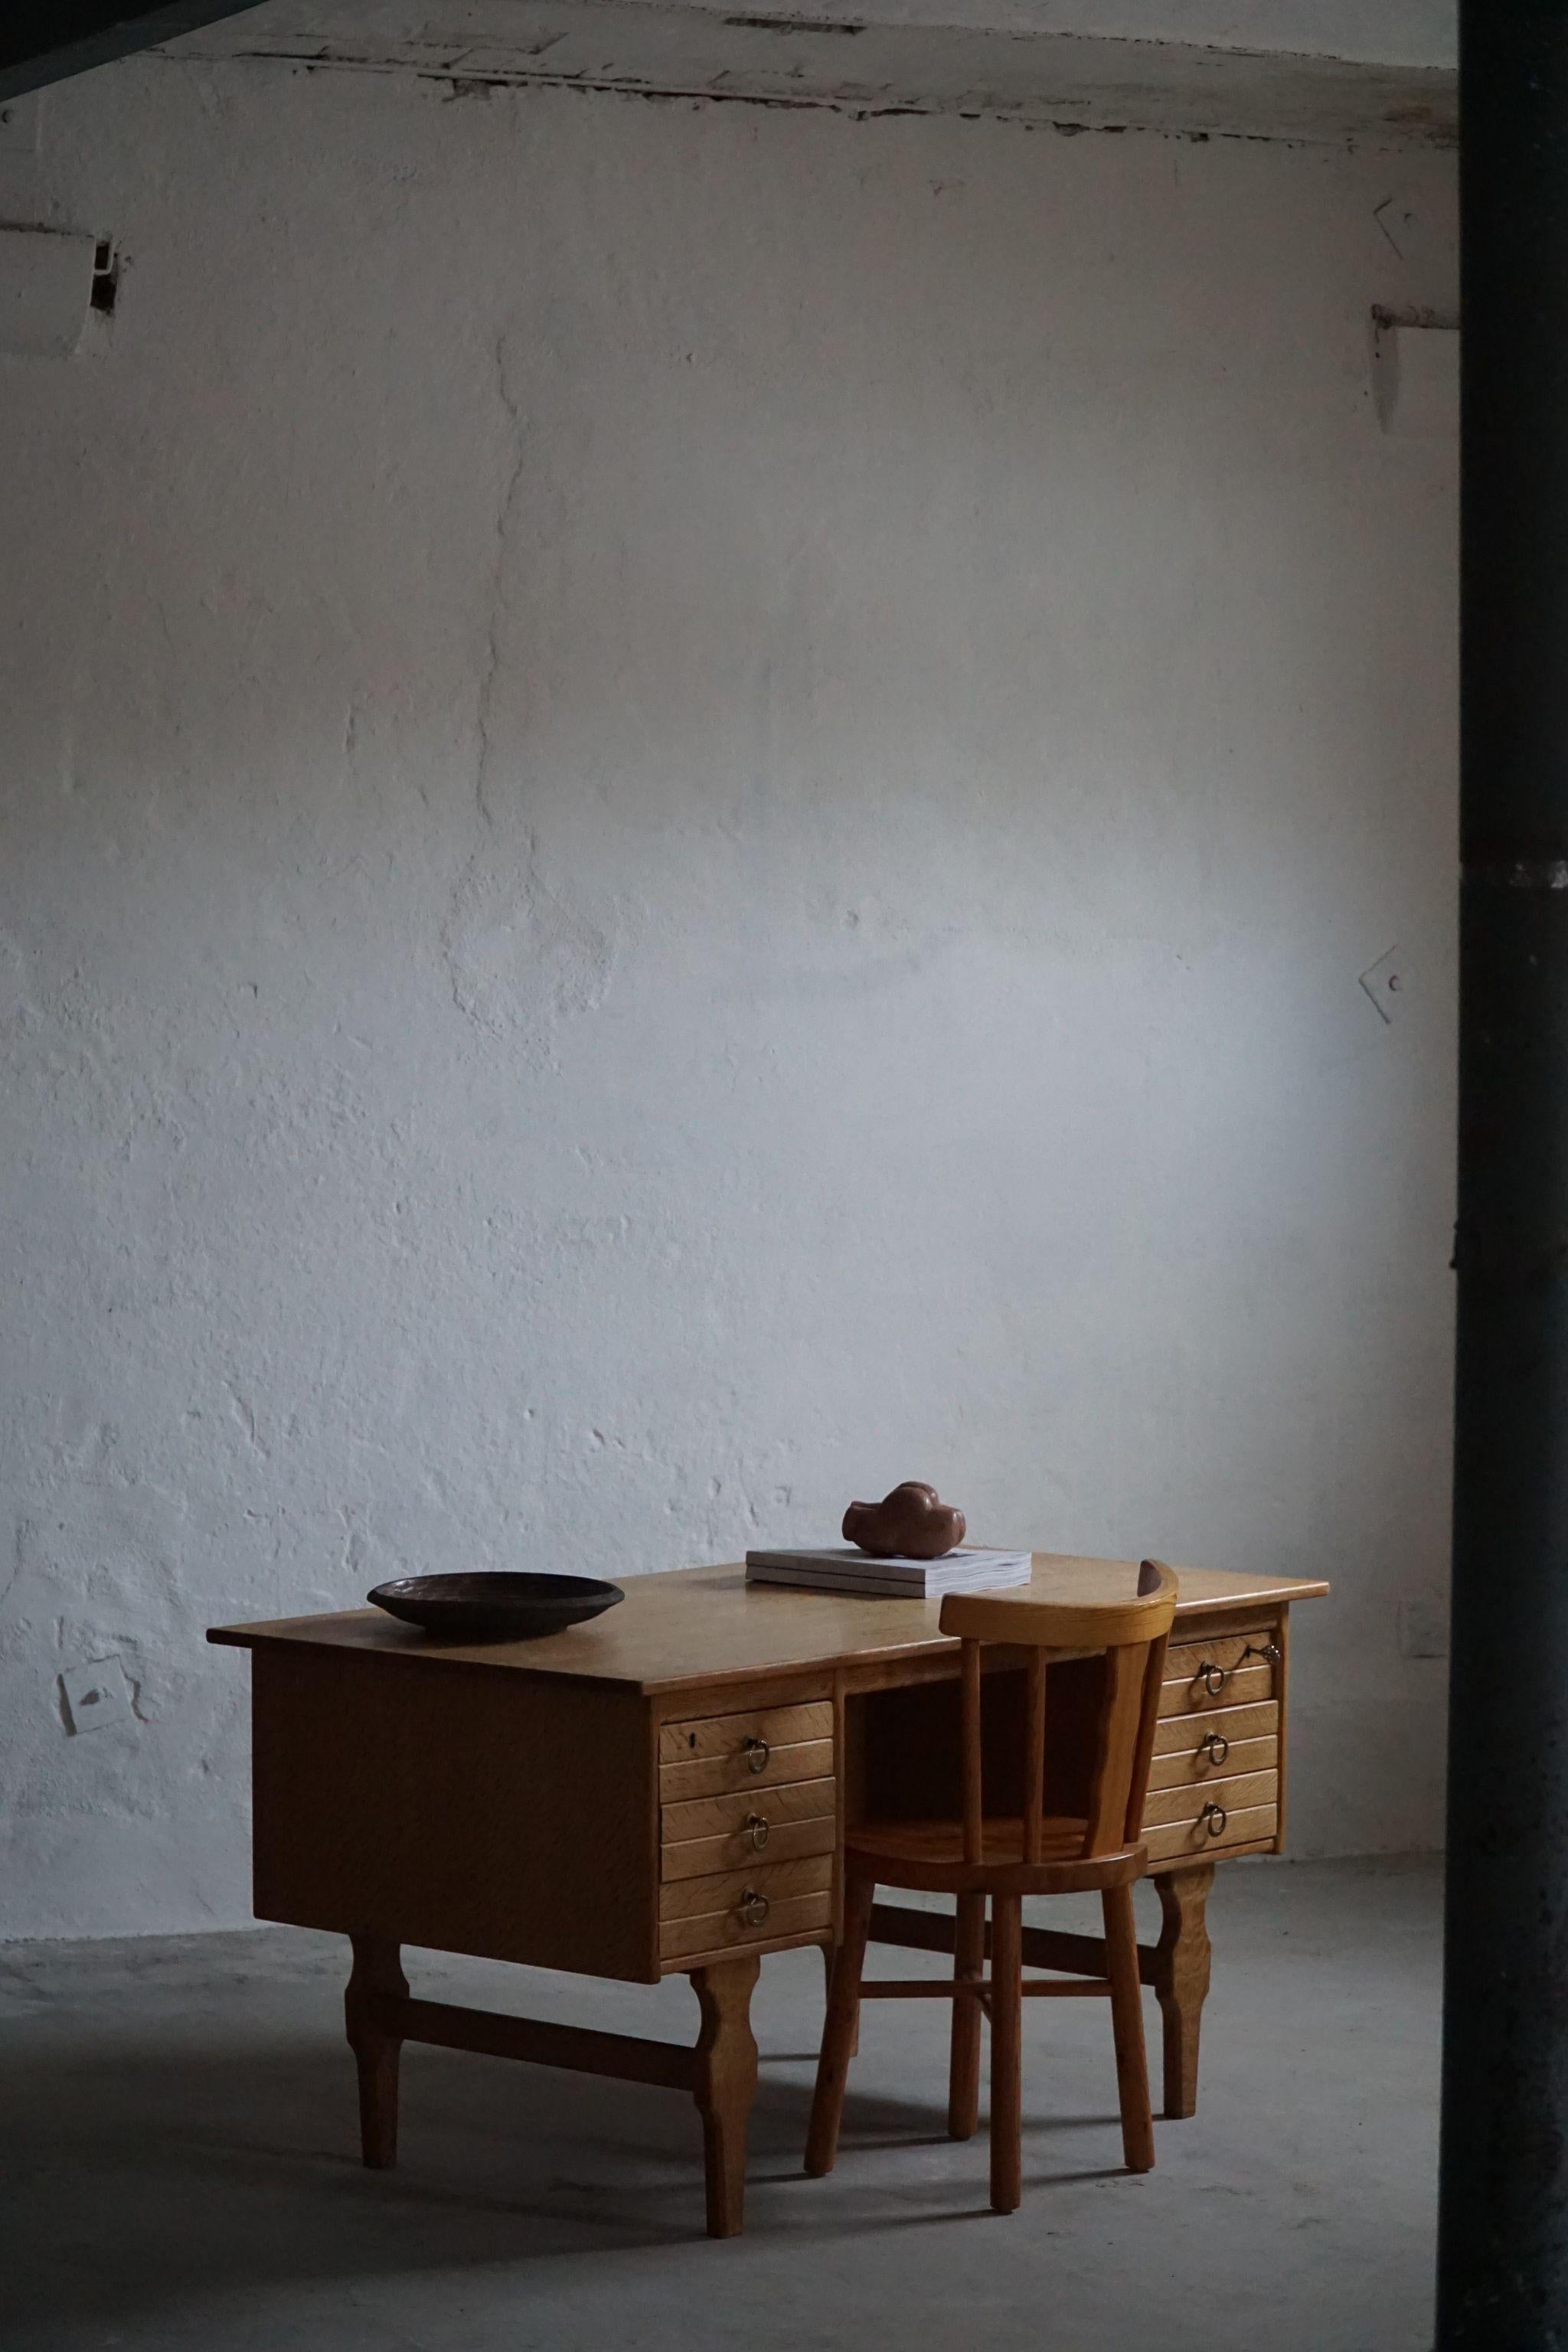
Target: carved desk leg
(1181, 1979)
(726, 2083)
(377, 1977)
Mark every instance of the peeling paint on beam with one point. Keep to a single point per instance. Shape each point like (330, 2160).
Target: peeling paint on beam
(794, 25)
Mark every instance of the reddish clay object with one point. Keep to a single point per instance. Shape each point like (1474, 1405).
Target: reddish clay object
(911, 1522)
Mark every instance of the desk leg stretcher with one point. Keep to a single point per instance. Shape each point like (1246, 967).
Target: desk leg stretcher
(720, 2072)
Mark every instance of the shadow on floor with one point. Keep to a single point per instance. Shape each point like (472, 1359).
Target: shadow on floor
(176, 2171)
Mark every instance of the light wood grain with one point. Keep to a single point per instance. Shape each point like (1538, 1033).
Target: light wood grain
(461, 1811)
(1204, 1767)
(1007, 1992)
(1180, 1735)
(798, 1800)
(1177, 1969)
(697, 1857)
(1222, 1670)
(1132, 1681)
(506, 1801)
(726, 2084)
(1105, 1619)
(1127, 2026)
(799, 1915)
(581, 2050)
(1032, 1797)
(707, 1626)
(711, 1738)
(713, 1776)
(1234, 1793)
(691, 1898)
(1282, 1693)
(1181, 1978)
(841, 2028)
(1224, 1652)
(976, 1856)
(1254, 1826)
(967, 1943)
(1242, 1687)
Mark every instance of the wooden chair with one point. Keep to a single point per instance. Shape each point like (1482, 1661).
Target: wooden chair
(1026, 1853)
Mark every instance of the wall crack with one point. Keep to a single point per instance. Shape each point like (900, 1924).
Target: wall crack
(491, 672)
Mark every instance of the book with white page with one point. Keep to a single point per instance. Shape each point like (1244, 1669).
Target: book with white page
(842, 1568)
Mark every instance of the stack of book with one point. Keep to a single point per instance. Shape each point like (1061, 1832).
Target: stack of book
(842, 1568)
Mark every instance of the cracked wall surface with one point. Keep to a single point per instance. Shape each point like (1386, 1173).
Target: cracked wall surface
(689, 804)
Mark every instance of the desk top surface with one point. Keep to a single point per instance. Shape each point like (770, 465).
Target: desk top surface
(697, 1625)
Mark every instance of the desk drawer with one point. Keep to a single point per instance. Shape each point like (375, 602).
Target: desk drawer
(748, 1826)
(739, 1738)
(1169, 1774)
(1183, 1735)
(776, 1882)
(765, 1919)
(1236, 1669)
(733, 1848)
(717, 1776)
(770, 1809)
(1248, 1825)
(1223, 1744)
(1198, 1802)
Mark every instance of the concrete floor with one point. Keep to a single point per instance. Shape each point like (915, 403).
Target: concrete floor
(179, 2161)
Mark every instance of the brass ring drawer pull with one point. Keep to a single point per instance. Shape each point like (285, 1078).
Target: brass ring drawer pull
(1213, 1678)
(757, 1830)
(1216, 1748)
(754, 1907)
(757, 1752)
(1213, 1819)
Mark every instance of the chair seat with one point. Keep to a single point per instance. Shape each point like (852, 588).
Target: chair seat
(930, 1855)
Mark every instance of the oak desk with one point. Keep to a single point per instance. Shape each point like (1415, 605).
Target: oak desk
(664, 1791)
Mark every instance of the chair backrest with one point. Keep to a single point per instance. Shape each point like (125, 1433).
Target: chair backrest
(1132, 1634)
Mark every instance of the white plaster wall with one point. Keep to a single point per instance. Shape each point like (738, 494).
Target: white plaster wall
(691, 803)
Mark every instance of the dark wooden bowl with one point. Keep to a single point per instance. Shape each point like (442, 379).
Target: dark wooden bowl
(499, 1604)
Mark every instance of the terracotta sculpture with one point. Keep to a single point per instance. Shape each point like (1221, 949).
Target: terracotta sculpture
(911, 1521)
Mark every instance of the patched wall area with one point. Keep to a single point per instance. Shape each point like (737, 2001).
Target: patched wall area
(690, 802)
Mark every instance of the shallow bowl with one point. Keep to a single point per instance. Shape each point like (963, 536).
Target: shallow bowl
(499, 1604)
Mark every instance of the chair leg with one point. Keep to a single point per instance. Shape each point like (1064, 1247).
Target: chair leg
(829, 1952)
(1006, 2051)
(841, 2029)
(1127, 2023)
(963, 2070)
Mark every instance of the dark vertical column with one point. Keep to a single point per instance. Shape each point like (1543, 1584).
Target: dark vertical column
(1503, 2252)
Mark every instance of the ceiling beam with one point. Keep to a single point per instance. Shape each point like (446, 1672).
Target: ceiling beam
(45, 40)
(752, 52)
